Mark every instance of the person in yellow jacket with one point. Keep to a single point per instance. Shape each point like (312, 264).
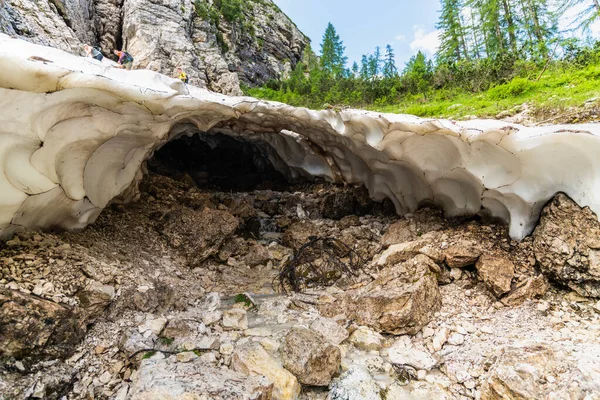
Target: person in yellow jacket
(183, 76)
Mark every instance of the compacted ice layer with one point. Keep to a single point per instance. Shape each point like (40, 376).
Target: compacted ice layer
(74, 135)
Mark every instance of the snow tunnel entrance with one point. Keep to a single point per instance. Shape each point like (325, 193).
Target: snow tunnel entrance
(218, 161)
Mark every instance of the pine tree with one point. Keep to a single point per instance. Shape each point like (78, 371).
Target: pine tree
(389, 67)
(453, 47)
(333, 60)
(364, 67)
(355, 70)
(375, 63)
(417, 74)
(589, 13)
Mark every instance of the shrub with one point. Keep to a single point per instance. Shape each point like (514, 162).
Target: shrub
(516, 87)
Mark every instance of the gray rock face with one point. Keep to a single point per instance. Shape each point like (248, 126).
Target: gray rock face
(567, 246)
(217, 49)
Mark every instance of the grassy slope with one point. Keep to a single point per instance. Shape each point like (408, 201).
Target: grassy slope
(558, 91)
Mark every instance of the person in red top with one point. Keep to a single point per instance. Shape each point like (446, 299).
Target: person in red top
(125, 59)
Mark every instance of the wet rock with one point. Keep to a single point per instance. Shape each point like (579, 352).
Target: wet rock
(462, 254)
(497, 272)
(354, 384)
(532, 287)
(198, 235)
(366, 339)
(160, 378)
(252, 359)
(235, 319)
(95, 297)
(34, 327)
(567, 246)
(331, 330)
(308, 356)
(400, 301)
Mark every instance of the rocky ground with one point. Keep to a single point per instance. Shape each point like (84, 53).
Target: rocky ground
(178, 296)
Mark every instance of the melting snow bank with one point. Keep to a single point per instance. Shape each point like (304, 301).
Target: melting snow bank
(74, 134)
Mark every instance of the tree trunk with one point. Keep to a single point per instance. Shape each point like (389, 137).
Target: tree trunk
(511, 25)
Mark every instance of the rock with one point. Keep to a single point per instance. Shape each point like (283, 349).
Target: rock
(178, 328)
(95, 297)
(517, 374)
(39, 328)
(417, 391)
(532, 287)
(497, 272)
(331, 330)
(257, 254)
(400, 301)
(354, 384)
(567, 246)
(158, 378)
(405, 251)
(308, 356)
(440, 338)
(235, 319)
(299, 233)
(399, 232)
(337, 205)
(252, 359)
(366, 339)
(154, 325)
(198, 235)
(461, 254)
(456, 339)
(402, 352)
(186, 356)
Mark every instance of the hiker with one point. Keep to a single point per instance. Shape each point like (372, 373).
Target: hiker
(125, 59)
(183, 76)
(93, 52)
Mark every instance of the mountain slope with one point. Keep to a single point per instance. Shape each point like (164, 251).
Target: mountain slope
(218, 43)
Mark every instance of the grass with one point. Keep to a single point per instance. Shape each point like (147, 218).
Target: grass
(557, 90)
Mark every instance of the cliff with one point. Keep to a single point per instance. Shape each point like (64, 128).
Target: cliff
(220, 44)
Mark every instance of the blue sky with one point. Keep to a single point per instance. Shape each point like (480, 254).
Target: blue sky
(407, 25)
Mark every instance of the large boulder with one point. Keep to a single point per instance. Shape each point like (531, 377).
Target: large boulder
(34, 327)
(400, 301)
(567, 246)
(310, 357)
(199, 235)
(160, 378)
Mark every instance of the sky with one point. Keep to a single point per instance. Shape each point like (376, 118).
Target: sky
(408, 25)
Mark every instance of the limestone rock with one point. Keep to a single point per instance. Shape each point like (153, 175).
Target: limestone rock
(418, 391)
(405, 251)
(402, 352)
(160, 378)
(517, 374)
(235, 319)
(366, 339)
(567, 246)
(252, 359)
(331, 330)
(354, 384)
(299, 233)
(95, 297)
(34, 327)
(462, 254)
(497, 272)
(400, 301)
(530, 288)
(198, 234)
(308, 356)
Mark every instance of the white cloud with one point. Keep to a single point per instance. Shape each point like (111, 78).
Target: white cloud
(400, 38)
(428, 42)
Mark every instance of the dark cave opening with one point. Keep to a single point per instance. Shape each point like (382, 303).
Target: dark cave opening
(220, 162)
